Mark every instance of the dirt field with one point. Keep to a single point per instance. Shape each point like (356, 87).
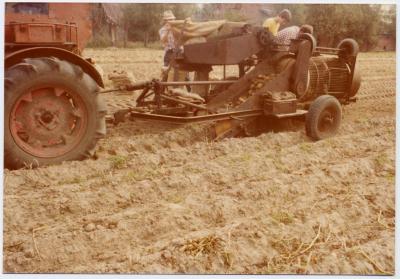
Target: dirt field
(163, 199)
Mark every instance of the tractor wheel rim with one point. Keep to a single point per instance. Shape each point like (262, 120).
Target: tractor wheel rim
(326, 123)
(49, 121)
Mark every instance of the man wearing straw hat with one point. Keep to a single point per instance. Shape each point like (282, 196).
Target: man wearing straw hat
(167, 36)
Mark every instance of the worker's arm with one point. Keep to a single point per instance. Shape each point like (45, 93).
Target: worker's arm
(271, 25)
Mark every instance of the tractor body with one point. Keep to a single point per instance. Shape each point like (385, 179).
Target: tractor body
(47, 24)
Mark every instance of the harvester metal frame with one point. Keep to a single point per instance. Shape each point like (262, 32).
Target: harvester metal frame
(293, 78)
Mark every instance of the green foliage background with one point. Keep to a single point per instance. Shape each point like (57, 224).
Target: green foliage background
(331, 22)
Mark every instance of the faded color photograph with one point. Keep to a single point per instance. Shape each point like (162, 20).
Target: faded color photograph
(145, 138)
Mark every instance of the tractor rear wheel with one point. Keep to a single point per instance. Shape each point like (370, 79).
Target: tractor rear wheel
(52, 113)
(323, 117)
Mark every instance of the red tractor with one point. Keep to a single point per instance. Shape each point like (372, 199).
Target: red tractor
(52, 109)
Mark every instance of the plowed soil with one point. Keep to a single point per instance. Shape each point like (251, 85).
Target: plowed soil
(163, 199)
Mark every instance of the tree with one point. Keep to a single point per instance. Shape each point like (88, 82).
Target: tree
(208, 11)
(388, 20)
(333, 23)
(143, 20)
(182, 11)
(101, 35)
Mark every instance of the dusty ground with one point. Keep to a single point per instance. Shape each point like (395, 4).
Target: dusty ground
(162, 199)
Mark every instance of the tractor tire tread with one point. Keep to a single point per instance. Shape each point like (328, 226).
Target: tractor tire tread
(31, 68)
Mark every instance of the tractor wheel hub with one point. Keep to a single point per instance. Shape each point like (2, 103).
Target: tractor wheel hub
(48, 122)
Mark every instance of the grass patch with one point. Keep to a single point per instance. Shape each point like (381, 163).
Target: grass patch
(142, 174)
(104, 42)
(280, 166)
(245, 157)
(118, 162)
(175, 198)
(391, 178)
(206, 245)
(74, 180)
(381, 160)
(307, 147)
(282, 217)
(151, 45)
(362, 120)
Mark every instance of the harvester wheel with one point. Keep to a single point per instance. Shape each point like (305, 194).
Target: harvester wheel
(355, 85)
(52, 113)
(348, 47)
(323, 117)
(310, 38)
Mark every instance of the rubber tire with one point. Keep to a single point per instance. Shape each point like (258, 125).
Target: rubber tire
(356, 83)
(316, 109)
(350, 47)
(309, 37)
(33, 72)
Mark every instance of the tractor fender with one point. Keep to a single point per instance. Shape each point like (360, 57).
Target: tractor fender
(36, 52)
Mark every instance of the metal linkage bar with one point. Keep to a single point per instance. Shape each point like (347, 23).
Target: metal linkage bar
(179, 83)
(184, 102)
(197, 119)
(299, 112)
(142, 85)
(328, 48)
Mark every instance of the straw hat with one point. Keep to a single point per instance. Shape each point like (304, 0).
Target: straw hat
(168, 15)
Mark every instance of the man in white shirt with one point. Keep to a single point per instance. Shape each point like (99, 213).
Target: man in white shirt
(287, 34)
